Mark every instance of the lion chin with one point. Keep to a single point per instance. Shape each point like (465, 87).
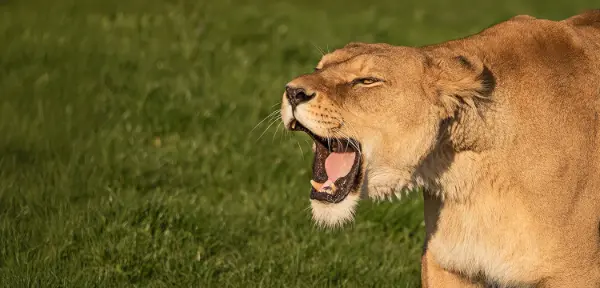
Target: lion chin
(332, 215)
(336, 215)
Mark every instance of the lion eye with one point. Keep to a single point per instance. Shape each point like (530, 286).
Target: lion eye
(365, 81)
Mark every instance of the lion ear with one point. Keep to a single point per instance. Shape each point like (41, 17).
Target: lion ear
(455, 80)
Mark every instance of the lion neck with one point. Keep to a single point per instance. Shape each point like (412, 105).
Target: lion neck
(454, 168)
(469, 130)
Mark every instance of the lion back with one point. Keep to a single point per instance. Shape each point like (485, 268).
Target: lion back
(588, 18)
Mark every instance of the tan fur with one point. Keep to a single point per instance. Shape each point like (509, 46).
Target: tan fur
(500, 128)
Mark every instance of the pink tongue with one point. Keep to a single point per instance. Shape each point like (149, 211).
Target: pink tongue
(338, 165)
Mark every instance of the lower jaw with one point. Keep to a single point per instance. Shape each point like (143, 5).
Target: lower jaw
(328, 214)
(327, 198)
(337, 191)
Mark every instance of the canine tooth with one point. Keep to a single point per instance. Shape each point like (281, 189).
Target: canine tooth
(293, 124)
(316, 185)
(330, 189)
(320, 187)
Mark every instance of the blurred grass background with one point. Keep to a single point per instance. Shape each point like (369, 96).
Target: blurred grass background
(127, 156)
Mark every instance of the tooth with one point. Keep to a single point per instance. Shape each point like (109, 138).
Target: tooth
(293, 125)
(330, 189)
(316, 185)
(314, 147)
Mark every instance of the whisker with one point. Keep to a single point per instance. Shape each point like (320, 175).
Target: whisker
(288, 135)
(308, 143)
(356, 147)
(320, 50)
(352, 142)
(306, 209)
(301, 151)
(282, 135)
(271, 124)
(276, 130)
(348, 142)
(264, 119)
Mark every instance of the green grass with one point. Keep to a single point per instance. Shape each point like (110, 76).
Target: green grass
(90, 197)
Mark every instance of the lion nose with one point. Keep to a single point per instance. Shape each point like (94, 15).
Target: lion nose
(296, 95)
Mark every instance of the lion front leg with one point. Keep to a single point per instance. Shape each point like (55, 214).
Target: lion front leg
(432, 275)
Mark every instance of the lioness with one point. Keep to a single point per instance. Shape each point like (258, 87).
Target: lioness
(499, 128)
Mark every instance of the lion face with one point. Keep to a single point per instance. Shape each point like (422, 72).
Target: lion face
(368, 110)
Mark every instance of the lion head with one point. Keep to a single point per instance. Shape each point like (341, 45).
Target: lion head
(375, 113)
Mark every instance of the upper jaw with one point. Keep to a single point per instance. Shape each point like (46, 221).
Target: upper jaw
(287, 114)
(350, 183)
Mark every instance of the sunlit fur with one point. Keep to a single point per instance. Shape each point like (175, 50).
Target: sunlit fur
(334, 215)
(331, 114)
(501, 131)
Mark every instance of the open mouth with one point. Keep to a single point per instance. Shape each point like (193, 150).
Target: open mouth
(336, 166)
